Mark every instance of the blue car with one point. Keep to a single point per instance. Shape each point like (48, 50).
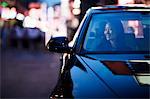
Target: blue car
(109, 56)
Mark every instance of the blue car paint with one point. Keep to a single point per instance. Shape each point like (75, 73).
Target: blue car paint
(87, 84)
(123, 85)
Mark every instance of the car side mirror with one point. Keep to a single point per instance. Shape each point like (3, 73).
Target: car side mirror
(59, 45)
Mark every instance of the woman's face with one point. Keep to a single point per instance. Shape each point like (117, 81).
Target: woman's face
(108, 32)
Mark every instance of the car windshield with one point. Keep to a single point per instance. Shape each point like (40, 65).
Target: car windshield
(122, 31)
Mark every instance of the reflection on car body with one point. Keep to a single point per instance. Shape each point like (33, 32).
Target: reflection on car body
(108, 57)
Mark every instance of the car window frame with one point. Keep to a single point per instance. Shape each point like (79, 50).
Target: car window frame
(77, 47)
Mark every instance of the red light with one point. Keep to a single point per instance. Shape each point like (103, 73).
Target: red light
(120, 68)
(34, 5)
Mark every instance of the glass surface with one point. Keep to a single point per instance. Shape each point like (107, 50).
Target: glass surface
(125, 31)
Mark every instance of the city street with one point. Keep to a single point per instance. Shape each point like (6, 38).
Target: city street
(27, 74)
(51, 49)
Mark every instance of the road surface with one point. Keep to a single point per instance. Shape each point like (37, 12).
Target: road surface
(28, 74)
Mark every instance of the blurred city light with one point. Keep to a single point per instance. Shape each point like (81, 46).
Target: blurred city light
(9, 13)
(4, 4)
(29, 22)
(65, 11)
(34, 13)
(12, 13)
(76, 7)
(34, 5)
(50, 2)
(43, 15)
(76, 11)
(50, 13)
(20, 16)
(76, 4)
(53, 17)
(122, 2)
(5, 13)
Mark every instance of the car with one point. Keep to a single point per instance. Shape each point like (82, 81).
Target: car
(108, 56)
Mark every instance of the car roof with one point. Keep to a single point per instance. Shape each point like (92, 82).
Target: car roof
(114, 8)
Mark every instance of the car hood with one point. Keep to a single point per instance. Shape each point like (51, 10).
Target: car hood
(125, 75)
